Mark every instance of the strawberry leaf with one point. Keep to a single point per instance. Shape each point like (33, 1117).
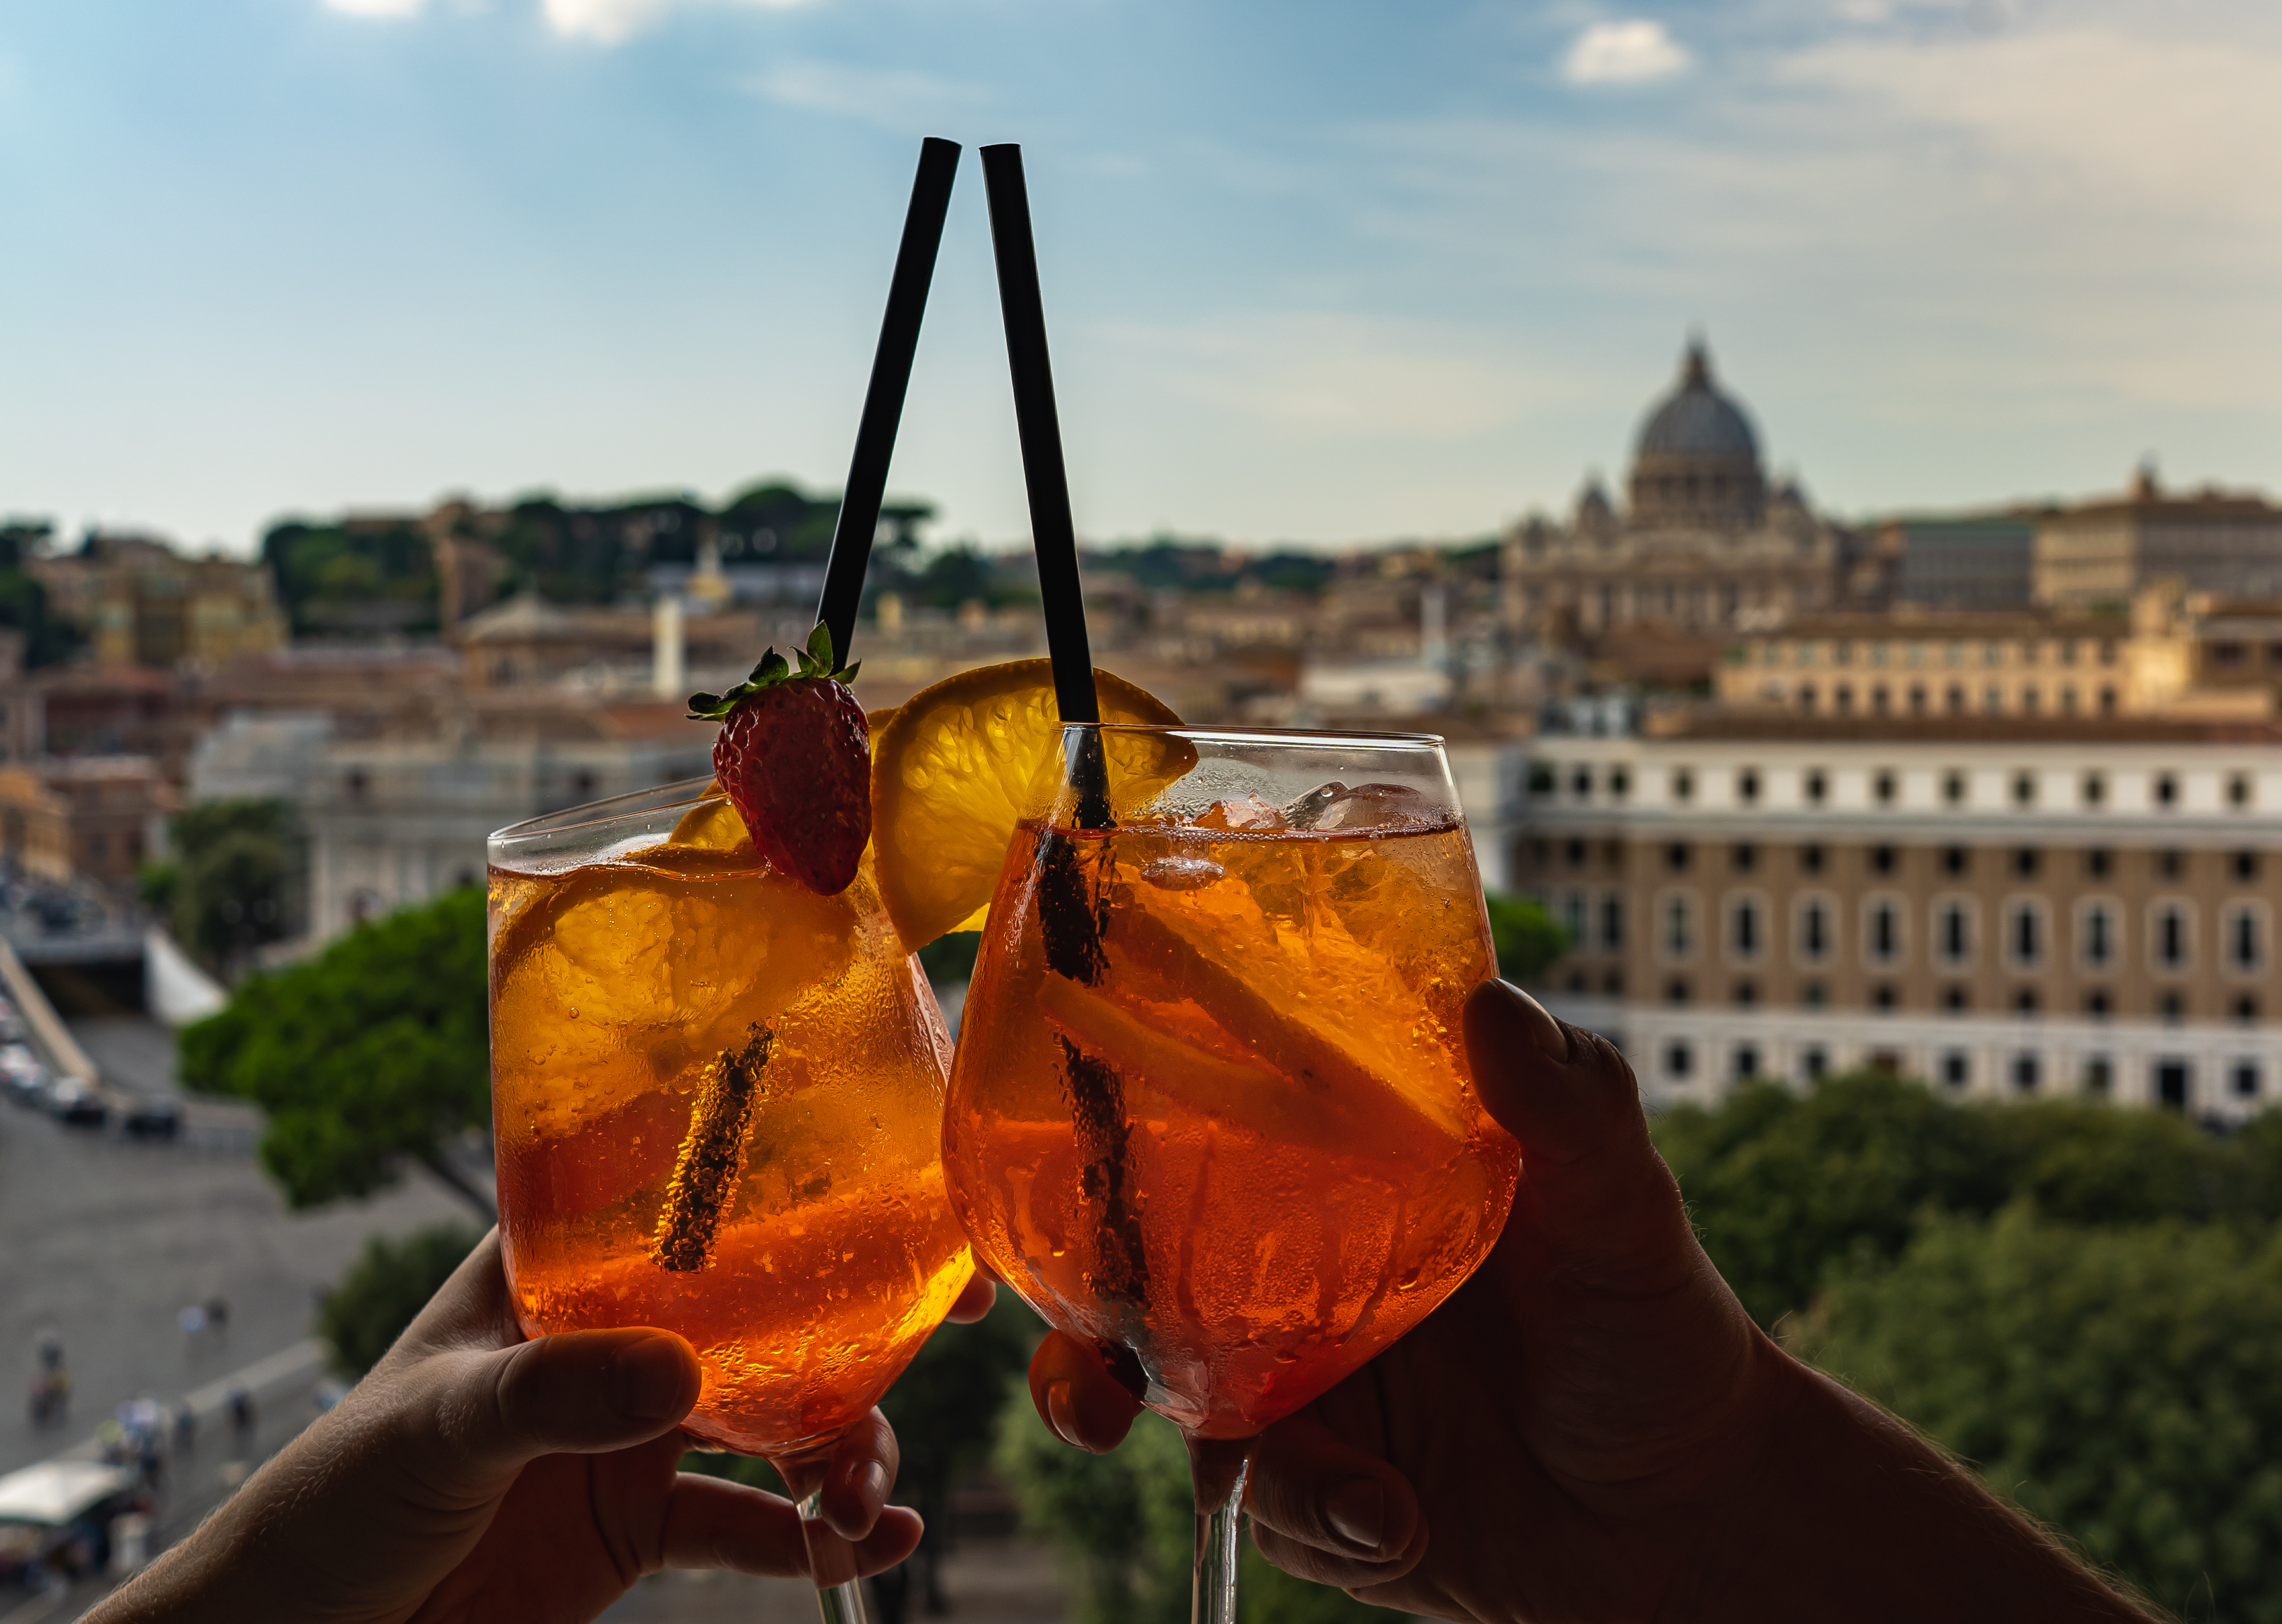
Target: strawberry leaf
(815, 663)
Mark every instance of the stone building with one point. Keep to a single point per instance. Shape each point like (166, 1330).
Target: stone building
(2003, 906)
(1704, 544)
(144, 603)
(85, 817)
(2101, 553)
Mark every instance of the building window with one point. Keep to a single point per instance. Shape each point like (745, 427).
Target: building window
(1612, 920)
(1882, 786)
(2027, 1071)
(1813, 995)
(1955, 859)
(1882, 999)
(2244, 1079)
(2097, 861)
(2099, 1075)
(1953, 698)
(2172, 1007)
(2173, 1084)
(2170, 864)
(2171, 936)
(1883, 934)
(1842, 697)
(2245, 865)
(1746, 1062)
(1956, 1069)
(1743, 930)
(2096, 1005)
(1813, 928)
(1806, 696)
(1810, 859)
(2245, 938)
(1953, 932)
(1612, 985)
(1747, 785)
(2167, 790)
(2031, 701)
(1992, 700)
(1675, 991)
(2098, 935)
(2024, 862)
(1683, 785)
(1620, 783)
(1580, 783)
(1818, 787)
(1883, 859)
(357, 784)
(2108, 701)
(2025, 1003)
(1675, 856)
(1744, 857)
(1814, 1060)
(1744, 995)
(1879, 702)
(1679, 1060)
(1917, 699)
(2095, 789)
(1678, 928)
(2024, 789)
(2238, 790)
(1573, 853)
(1953, 788)
(2068, 699)
(2245, 1008)
(1956, 1000)
(1574, 919)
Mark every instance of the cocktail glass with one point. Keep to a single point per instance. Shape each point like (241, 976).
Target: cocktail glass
(717, 1100)
(1210, 1109)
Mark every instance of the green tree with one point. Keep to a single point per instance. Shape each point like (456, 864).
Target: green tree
(1528, 938)
(374, 1053)
(379, 1294)
(235, 878)
(2121, 1383)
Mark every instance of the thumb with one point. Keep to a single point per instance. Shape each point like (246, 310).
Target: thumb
(577, 1393)
(1592, 1176)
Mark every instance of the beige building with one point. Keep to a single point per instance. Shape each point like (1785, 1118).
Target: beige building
(2005, 907)
(145, 604)
(2100, 554)
(92, 818)
(2176, 654)
(1704, 544)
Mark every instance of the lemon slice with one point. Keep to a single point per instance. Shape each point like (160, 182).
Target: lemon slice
(960, 764)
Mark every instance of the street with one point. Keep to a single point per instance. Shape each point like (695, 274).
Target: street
(108, 1239)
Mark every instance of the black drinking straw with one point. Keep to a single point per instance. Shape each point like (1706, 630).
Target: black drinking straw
(1052, 533)
(883, 401)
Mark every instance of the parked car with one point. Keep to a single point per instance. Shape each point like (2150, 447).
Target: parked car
(151, 1116)
(77, 1103)
(56, 1518)
(22, 1076)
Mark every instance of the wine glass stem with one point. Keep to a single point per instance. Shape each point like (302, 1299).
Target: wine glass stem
(1220, 1530)
(841, 1604)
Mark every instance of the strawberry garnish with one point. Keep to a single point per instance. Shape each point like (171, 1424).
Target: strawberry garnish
(794, 757)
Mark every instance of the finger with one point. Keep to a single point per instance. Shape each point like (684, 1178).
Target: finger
(833, 1560)
(976, 1299)
(581, 1393)
(1310, 1562)
(470, 1310)
(1571, 1100)
(1314, 1489)
(861, 1473)
(1076, 1397)
(713, 1522)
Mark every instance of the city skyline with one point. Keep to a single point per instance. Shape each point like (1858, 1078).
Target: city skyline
(1353, 280)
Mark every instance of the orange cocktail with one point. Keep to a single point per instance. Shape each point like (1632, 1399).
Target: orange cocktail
(717, 1098)
(1210, 1109)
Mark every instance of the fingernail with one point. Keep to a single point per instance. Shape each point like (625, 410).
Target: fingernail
(1356, 1509)
(649, 1380)
(872, 1483)
(1061, 1415)
(1545, 1032)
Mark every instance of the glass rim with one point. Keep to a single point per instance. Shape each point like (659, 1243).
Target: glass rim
(609, 810)
(1308, 739)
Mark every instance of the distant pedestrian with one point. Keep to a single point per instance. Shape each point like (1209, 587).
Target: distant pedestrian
(241, 1418)
(193, 1321)
(218, 1316)
(186, 1428)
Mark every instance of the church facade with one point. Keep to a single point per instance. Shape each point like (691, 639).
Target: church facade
(1704, 544)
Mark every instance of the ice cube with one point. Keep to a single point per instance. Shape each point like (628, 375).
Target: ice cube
(1302, 813)
(1182, 873)
(1375, 806)
(1250, 815)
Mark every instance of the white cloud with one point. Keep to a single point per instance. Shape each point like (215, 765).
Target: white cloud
(895, 98)
(1630, 53)
(607, 22)
(377, 8)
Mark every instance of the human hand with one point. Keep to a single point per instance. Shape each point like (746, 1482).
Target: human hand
(1544, 1445)
(476, 1475)
(1592, 1428)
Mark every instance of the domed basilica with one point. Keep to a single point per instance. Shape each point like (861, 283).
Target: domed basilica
(1703, 546)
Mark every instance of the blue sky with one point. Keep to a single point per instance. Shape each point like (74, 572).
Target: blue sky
(1326, 271)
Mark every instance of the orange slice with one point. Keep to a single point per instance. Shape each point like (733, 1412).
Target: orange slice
(958, 765)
